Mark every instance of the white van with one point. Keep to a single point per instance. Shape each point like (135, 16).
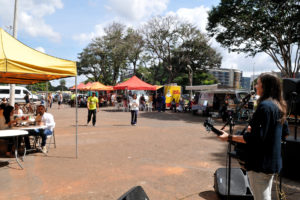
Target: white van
(20, 93)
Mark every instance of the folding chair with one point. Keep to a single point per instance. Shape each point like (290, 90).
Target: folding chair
(51, 137)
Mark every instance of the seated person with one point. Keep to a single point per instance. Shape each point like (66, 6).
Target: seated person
(6, 114)
(173, 105)
(43, 118)
(3, 124)
(181, 105)
(4, 101)
(18, 111)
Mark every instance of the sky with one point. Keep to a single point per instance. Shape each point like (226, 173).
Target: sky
(62, 28)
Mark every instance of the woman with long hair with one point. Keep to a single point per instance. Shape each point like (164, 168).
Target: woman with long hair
(267, 129)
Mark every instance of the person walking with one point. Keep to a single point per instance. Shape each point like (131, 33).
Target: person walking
(60, 100)
(134, 108)
(93, 108)
(49, 100)
(266, 130)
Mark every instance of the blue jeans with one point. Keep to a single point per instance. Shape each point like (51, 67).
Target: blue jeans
(134, 116)
(261, 185)
(43, 133)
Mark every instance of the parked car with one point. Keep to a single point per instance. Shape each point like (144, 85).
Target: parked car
(20, 93)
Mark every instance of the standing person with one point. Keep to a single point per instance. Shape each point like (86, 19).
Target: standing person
(92, 105)
(27, 99)
(49, 100)
(73, 98)
(60, 100)
(154, 101)
(267, 129)
(163, 103)
(134, 108)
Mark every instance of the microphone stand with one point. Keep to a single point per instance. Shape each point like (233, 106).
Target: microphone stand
(231, 124)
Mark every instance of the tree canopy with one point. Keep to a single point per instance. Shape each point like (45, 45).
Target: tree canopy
(158, 53)
(254, 26)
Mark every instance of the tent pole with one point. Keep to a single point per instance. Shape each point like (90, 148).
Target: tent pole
(76, 117)
(46, 97)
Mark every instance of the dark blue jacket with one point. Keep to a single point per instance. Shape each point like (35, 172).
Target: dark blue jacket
(263, 143)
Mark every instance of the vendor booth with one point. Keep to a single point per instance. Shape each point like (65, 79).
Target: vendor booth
(20, 64)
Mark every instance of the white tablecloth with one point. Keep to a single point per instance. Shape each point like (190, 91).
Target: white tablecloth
(12, 133)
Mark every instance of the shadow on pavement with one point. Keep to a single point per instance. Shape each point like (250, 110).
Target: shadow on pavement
(188, 117)
(209, 195)
(4, 163)
(121, 125)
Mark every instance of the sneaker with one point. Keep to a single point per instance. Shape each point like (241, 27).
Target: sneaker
(44, 150)
(134, 124)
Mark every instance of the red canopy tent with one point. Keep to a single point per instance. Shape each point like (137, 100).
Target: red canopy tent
(134, 83)
(79, 87)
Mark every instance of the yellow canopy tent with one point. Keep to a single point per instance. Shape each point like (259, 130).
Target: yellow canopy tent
(99, 86)
(21, 64)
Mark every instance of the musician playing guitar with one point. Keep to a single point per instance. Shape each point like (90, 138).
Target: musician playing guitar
(263, 139)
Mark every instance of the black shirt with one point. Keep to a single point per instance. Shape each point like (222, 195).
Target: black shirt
(263, 143)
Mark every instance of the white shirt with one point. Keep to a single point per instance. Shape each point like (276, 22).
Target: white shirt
(48, 120)
(134, 104)
(18, 112)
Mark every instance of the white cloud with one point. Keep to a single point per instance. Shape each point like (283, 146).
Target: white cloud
(197, 16)
(41, 49)
(31, 15)
(85, 38)
(37, 27)
(136, 10)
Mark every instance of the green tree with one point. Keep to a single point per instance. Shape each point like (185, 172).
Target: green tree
(174, 44)
(254, 26)
(134, 46)
(105, 57)
(161, 36)
(62, 84)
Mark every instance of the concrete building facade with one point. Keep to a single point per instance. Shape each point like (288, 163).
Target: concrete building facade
(230, 78)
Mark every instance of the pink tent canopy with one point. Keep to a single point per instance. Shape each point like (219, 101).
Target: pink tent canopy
(134, 83)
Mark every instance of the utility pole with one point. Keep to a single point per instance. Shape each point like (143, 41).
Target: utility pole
(191, 80)
(12, 86)
(253, 76)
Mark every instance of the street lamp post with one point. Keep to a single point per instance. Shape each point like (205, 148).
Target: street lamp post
(12, 86)
(191, 80)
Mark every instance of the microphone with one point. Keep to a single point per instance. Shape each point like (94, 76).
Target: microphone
(247, 97)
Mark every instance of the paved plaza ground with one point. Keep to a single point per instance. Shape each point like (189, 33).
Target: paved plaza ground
(169, 154)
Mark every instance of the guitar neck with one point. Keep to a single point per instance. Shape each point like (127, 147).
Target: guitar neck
(216, 131)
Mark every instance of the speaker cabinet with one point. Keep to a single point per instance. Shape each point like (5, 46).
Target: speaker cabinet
(291, 93)
(239, 184)
(135, 193)
(291, 159)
